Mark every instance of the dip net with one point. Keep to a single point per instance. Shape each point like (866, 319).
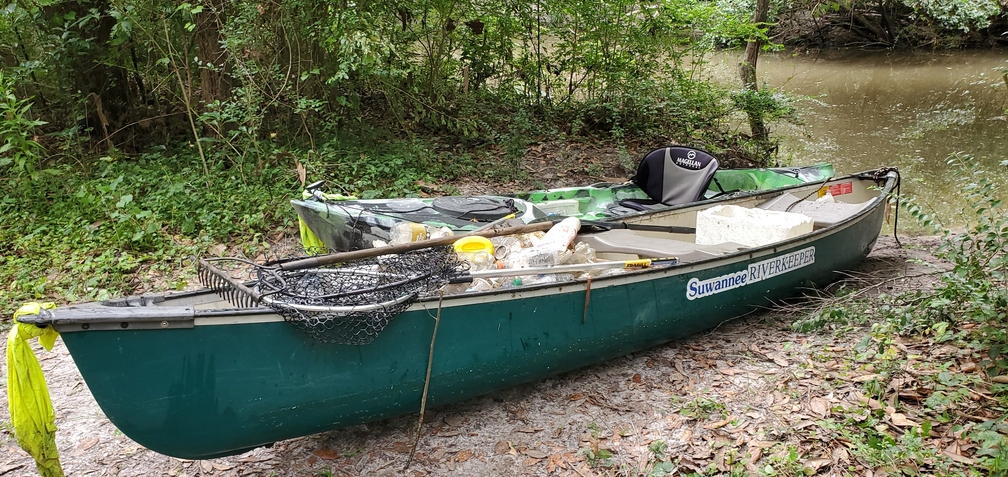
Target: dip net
(352, 303)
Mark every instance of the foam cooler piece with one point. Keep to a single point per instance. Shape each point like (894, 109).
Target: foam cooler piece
(750, 227)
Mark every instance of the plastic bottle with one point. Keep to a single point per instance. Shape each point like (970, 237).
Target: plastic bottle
(506, 245)
(551, 250)
(478, 260)
(480, 284)
(405, 232)
(562, 234)
(583, 253)
(547, 278)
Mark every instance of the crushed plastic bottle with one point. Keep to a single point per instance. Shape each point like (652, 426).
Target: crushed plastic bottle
(583, 253)
(505, 245)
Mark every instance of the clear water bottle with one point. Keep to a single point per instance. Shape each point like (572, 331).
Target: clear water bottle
(405, 232)
(479, 260)
(480, 284)
(505, 245)
(538, 256)
(583, 253)
(552, 249)
(547, 278)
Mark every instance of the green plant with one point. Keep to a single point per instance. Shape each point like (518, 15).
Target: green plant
(596, 457)
(786, 464)
(658, 449)
(19, 150)
(976, 287)
(702, 408)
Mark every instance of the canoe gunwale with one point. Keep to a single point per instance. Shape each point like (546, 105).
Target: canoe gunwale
(714, 261)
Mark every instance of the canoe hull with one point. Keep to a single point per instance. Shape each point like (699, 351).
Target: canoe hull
(225, 386)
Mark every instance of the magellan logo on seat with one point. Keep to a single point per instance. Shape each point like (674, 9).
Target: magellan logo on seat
(690, 163)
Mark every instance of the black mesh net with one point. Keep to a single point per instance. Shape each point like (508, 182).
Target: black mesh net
(351, 303)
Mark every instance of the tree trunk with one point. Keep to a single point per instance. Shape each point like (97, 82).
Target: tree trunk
(213, 81)
(747, 71)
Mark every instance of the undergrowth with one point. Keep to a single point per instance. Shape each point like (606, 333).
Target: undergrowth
(939, 357)
(128, 224)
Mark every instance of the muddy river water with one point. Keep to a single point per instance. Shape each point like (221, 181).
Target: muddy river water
(861, 110)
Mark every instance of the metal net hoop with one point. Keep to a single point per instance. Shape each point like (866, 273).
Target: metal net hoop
(351, 303)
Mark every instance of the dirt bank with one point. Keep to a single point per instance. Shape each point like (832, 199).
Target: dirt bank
(718, 399)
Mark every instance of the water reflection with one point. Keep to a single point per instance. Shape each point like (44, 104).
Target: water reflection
(911, 110)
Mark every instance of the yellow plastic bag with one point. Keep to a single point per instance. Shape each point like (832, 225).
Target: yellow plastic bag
(311, 243)
(31, 410)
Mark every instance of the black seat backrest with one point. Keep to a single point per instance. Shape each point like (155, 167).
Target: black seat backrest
(675, 175)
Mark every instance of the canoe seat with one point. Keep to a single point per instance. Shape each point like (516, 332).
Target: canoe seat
(672, 176)
(624, 241)
(823, 214)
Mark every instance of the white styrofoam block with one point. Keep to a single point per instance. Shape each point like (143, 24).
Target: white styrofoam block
(750, 227)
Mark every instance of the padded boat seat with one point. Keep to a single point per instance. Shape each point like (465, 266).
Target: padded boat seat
(628, 242)
(823, 214)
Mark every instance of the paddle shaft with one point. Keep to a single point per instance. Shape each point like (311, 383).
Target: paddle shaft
(574, 267)
(672, 229)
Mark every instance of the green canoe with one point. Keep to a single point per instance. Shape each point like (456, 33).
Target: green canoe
(350, 224)
(190, 376)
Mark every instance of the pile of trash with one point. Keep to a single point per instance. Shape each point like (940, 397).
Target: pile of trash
(534, 251)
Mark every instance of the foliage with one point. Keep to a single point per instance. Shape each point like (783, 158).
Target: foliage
(229, 75)
(976, 287)
(128, 222)
(965, 15)
(702, 408)
(904, 23)
(20, 153)
(596, 457)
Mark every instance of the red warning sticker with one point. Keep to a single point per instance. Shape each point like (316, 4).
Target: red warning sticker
(841, 189)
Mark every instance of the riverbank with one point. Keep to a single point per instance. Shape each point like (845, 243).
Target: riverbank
(718, 402)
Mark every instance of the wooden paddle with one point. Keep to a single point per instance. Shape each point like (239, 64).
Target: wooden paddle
(586, 227)
(331, 258)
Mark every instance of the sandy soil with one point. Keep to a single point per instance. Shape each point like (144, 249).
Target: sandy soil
(755, 393)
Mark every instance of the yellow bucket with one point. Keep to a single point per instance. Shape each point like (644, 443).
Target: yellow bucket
(473, 244)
